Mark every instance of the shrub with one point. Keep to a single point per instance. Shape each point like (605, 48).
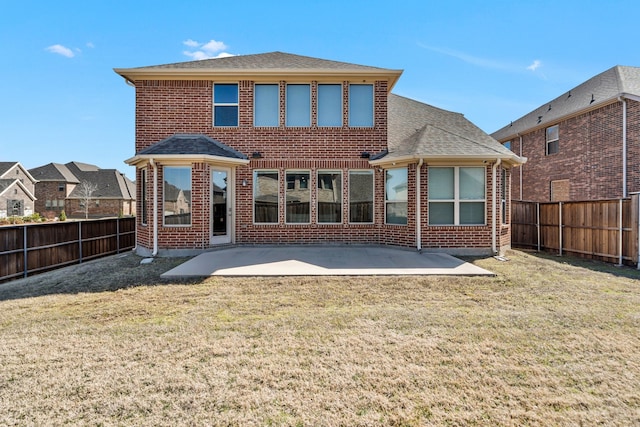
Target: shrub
(63, 216)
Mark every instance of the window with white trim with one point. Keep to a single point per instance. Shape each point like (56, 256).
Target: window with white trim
(329, 197)
(177, 195)
(266, 196)
(361, 196)
(457, 195)
(361, 105)
(298, 105)
(143, 195)
(298, 197)
(395, 196)
(225, 104)
(266, 105)
(553, 140)
(329, 105)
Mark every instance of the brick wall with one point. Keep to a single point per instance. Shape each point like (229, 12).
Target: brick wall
(589, 158)
(50, 190)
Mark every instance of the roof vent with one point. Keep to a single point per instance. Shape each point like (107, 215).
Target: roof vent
(592, 100)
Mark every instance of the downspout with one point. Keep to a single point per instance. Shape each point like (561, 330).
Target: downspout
(418, 208)
(155, 208)
(494, 232)
(624, 147)
(521, 167)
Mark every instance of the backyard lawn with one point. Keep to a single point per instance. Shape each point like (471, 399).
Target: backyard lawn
(548, 341)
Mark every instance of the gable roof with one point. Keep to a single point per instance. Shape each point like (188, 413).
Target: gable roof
(111, 184)
(183, 147)
(54, 172)
(7, 166)
(600, 90)
(417, 130)
(6, 184)
(268, 65)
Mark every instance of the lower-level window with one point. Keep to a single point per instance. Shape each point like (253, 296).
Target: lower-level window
(329, 197)
(298, 197)
(265, 196)
(395, 196)
(361, 196)
(177, 195)
(457, 195)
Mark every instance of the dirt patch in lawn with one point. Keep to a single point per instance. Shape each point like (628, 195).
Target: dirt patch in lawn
(545, 342)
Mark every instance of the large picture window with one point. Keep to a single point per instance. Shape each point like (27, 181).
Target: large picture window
(177, 196)
(298, 197)
(298, 105)
(265, 197)
(329, 105)
(361, 105)
(225, 104)
(396, 185)
(456, 196)
(361, 196)
(329, 197)
(266, 105)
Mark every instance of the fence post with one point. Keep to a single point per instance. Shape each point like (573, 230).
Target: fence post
(80, 242)
(117, 235)
(24, 248)
(620, 234)
(560, 226)
(538, 223)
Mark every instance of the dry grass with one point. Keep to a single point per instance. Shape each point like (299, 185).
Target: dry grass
(543, 343)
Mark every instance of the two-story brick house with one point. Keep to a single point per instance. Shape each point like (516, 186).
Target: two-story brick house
(582, 145)
(278, 148)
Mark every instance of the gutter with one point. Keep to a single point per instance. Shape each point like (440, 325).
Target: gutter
(624, 146)
(418, 208)
(155, 207)
(494, 246)
(521, 167)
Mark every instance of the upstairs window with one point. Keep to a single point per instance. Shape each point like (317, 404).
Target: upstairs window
(266, 105)
(361, 105)
(553, 140)
(298, 109)
(225, 104)
(507, 145)
(329, 105)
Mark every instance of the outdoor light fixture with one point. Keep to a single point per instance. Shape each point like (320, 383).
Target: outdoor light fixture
(365, 155)
(256, 155)
(244, 182)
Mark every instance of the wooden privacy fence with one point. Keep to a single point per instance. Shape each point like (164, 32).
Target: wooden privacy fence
(33, 248)
(606, 230)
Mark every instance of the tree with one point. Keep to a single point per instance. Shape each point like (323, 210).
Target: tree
(85, 191)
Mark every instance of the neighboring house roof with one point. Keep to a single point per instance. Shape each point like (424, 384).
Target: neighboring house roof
(54, 172)
(605, 88)
(7, 166)
(190, 146)
(111, 183)
(417, 130)
(265, 64)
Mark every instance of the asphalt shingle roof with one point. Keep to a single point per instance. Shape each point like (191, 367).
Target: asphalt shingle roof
(6, 166)
(601, 89)
(265, 61)
(53, 172)
(196, 144)
(416, 129)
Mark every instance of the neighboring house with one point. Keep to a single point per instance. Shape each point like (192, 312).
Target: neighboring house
(59, 188)
(17, 190)
(307, 150)
(583, 145)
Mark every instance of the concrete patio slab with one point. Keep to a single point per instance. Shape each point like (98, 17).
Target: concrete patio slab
(321, 261)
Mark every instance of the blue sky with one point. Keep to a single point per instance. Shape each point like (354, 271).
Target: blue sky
(491, 60)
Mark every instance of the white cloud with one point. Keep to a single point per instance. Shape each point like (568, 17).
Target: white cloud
(470, 59)
(61, 50)
(90, 45)
(211, 49)
(535, 65)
